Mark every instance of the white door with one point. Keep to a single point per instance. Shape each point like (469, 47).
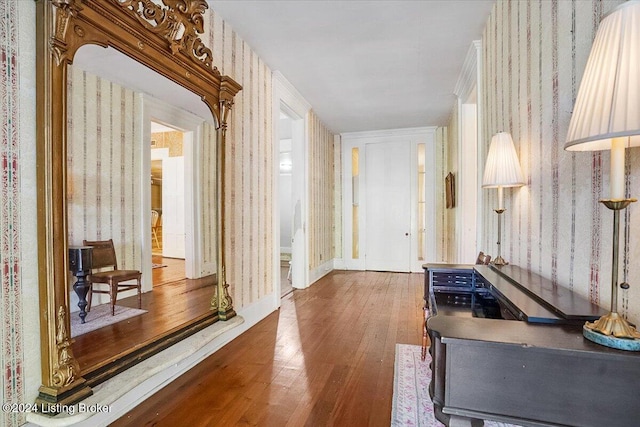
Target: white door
(388, 206)
(173, 221)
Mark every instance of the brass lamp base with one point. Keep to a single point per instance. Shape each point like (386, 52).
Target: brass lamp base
(612, 330)
(613, 324)
(499, 261)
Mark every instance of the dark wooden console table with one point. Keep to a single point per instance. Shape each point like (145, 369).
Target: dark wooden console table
(522, 357)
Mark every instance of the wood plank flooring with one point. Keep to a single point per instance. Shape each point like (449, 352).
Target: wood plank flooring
(173, 271)
(324, 359)
(173, 302)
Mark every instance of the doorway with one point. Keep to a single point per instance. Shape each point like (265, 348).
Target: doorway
(185, 185)
(388, 199)
(168, 232)
(289, 106)
(285, 167)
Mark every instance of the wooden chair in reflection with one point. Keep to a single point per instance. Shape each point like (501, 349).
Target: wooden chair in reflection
(105, 272)
(155, 217)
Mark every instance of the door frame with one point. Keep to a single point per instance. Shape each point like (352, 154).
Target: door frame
(413, 136)
(471, 156)
(191, 125)
(288, 99)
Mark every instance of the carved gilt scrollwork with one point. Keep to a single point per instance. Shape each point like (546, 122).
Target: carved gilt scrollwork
(226, 303)
(178, 21)
(214, 300)
(67, 369)
(225, 310)
(66, 10)
(225, 109)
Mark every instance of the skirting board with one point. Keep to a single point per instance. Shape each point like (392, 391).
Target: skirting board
(321, 271)
(125, 391)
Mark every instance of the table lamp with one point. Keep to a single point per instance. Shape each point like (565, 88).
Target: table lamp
(606, 116)
(502, 170)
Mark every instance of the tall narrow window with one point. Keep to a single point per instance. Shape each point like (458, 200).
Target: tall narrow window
(355, 200)
(421, 202)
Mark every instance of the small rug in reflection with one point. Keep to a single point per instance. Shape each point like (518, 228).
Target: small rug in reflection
(100, 316)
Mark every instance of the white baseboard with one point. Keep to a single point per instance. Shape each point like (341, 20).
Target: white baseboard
(255, 312)
(339, 264)
(125, 391)
(321, 271)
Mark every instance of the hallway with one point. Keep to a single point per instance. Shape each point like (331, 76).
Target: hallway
(325, 358)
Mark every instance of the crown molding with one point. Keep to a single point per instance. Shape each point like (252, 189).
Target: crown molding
(469, 74)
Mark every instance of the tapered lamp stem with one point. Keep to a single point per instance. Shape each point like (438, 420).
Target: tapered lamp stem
(499, 260)
(614, 261)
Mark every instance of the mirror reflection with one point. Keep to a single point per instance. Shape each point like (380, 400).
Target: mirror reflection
(141, 192)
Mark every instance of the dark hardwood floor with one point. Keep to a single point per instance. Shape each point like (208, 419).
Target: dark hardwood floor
(325, 358)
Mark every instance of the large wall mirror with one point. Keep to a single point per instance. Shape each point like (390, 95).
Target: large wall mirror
(132, 117)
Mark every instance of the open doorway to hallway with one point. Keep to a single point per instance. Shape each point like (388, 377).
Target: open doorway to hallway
(286, 202)
(167, 204)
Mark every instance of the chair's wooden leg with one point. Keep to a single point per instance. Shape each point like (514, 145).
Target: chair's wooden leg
(139, 294)
(114, 295)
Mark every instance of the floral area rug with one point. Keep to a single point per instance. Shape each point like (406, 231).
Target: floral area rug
(412, 405)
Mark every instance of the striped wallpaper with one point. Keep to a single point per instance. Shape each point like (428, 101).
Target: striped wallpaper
(534, 55)
(209, 197)
(451, 162)
(250, 171)
(249, 165)
(104, 163)
(321, 193)
(337, 196)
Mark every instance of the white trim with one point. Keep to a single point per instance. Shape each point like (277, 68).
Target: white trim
(154, 109)
(288, 94)
(480, 152)
(386, 133)
(468, 78)
(339, 264)
(467, 183)
(470, 160)
(286, 97)
(359, 140)
(321, 271)
(337, 194)
(256, 311)
(430, 199)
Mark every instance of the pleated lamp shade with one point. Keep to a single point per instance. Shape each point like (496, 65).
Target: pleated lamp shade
(502, 168)
(608, 102)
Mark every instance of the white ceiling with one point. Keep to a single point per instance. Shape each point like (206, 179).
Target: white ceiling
(364, 65)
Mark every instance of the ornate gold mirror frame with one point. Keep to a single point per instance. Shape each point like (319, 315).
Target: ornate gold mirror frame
(165, 38)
